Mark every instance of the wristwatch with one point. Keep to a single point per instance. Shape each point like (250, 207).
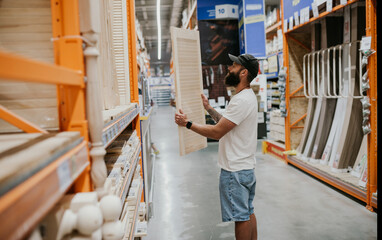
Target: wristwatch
(189, 124)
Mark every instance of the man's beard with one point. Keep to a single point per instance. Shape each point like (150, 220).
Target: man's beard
(232, 79)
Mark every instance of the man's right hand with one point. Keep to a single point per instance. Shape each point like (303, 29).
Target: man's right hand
(206, 104)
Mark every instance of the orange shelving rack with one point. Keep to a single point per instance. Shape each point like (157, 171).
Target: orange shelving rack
(371, 187)
(25, 205)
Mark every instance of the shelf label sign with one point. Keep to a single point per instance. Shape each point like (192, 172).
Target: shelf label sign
(296, 18)
(252, 32)
(285, 25)
(365, 43)
(315, 9)
(216, 9)
(291, 6)
(304, 15)
(64, 175)
(226, 11)
(290, 22)
(344, 2)
(329, 5)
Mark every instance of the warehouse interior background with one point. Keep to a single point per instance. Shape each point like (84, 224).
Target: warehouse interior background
(88, 92)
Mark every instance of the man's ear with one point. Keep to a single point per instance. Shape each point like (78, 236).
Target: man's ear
(244, 72)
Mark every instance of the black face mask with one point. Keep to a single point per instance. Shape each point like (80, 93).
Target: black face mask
(232, 79)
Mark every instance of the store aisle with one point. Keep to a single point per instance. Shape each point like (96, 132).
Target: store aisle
(288, 204)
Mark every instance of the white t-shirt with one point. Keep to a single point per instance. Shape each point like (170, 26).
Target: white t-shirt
(237, 147)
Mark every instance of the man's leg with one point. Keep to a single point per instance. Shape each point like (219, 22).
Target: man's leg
(243, 230)
(253, 227)
(246, 230)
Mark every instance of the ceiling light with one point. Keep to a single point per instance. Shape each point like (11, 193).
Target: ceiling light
(159, 31)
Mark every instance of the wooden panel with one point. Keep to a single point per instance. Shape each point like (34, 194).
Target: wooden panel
(330, 26)
(26, 29)
(105, 65)
(120, 52)
(315, 45)
(188, 83)
(113, 62)
(350, 137)
(361, 160)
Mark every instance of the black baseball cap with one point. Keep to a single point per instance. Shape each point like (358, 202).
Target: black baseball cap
(248, 61)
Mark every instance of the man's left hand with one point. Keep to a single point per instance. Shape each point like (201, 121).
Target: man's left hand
(181, 118)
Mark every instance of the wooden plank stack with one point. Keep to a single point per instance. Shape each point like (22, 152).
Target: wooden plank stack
(26, 29)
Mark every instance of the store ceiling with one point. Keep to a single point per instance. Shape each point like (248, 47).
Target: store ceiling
(171, 15)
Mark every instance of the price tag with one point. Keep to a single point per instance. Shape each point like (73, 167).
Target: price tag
(315, 9)
(279, 39)
(291, 23)
(296, 18)
(285, 25)
(306, 14)
(64, 176)
(366, 43)
(344, 2)
(329, 5)
(302, 16)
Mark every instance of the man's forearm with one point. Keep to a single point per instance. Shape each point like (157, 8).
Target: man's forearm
(214, 114)
(207, 130)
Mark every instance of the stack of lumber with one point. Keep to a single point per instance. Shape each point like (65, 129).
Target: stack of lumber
(26, 30)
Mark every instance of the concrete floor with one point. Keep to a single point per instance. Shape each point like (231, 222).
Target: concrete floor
(288, 204)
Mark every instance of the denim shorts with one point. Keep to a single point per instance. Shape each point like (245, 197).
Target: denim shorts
(237, 190)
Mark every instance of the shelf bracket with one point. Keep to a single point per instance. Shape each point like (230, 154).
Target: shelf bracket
(296, 91)
(19, 122)
(298, 120)
(298, 42)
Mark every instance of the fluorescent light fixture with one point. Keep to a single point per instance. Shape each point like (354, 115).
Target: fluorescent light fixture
(159, 31)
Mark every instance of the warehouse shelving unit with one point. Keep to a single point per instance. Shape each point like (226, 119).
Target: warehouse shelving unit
(341, 181)
(161, 94)
(68, 170)
(274, 51)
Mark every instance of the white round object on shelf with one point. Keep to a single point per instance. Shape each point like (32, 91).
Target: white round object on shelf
(89, 219)
(112, 231)
(111, 207)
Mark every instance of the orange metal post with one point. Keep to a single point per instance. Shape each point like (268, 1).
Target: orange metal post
(371, 30)
(130, 4)
(286, 64)
(134, 69)
(69, 53)
(19, 122)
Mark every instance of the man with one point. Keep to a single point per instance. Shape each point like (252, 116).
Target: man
(236, 131)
